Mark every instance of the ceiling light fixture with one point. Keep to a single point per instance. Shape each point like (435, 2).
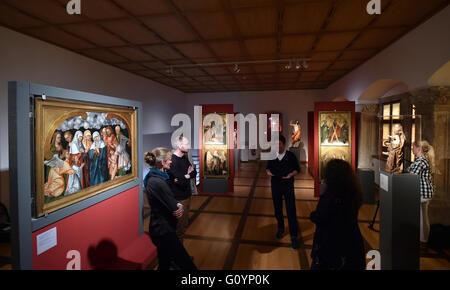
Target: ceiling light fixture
(289, 65)
(236, 68)
(305, 64)
(237, 63)
(169, 70)
(297, 64)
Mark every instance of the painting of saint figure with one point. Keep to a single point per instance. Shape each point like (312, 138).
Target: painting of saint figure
(334, 128)
(214, 129)
(330, 153)
(215, 161)
(334, 138)
(82, 152)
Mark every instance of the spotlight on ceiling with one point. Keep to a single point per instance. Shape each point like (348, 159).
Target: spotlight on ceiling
(305, 64)
(169, 70)
(236, 68)
(297, 64)
(288, 66)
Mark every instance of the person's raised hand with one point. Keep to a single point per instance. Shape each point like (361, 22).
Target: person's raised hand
(179, 212)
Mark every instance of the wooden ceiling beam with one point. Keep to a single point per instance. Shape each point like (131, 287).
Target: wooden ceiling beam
(129, 44)
(138, 21)
(95, 46)
(226, 5)
(324, 25)
(375, 18)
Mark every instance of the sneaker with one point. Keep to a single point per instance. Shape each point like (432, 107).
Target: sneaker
(294, 244)
(280, 234)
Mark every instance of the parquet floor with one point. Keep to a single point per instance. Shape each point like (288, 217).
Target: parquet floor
(238, 232)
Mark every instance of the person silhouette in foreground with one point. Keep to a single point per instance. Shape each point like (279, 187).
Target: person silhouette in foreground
(338, 244)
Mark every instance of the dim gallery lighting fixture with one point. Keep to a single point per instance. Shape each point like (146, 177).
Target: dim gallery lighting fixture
(236, 68)
(299, 63)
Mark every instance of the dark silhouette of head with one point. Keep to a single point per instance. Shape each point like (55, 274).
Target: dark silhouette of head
(341, 180)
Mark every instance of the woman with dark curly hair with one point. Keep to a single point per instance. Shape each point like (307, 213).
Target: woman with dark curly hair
(338, 243)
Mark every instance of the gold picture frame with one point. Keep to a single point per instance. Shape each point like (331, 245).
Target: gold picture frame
(335, 137)
(216, 159)
(51, 115)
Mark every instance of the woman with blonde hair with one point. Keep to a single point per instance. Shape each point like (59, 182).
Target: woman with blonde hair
(165, 210)
(423, 166)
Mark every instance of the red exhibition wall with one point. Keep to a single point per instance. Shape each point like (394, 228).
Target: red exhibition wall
(331, 106)
(218, 108)
(105, 235)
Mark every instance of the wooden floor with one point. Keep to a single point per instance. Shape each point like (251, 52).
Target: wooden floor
(238, 232)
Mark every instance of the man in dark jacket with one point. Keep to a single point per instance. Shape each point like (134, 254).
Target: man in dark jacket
(181, 172)
(282, 171)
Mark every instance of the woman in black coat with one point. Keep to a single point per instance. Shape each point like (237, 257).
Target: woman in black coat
(338, 243)
(165, 210)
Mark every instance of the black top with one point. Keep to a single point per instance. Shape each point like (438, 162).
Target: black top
(178, 169)
(281, 168)
(162, 204)
(338, 243)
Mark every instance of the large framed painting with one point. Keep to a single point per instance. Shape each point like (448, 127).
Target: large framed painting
(334, 138)
(81, 150)
(215, 146)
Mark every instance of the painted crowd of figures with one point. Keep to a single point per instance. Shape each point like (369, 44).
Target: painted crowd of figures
(334, 133)
(84, 160)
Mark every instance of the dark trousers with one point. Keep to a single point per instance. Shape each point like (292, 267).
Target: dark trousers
(171, 249)
(286, 190)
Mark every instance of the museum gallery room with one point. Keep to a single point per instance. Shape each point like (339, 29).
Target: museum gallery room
(225, 134)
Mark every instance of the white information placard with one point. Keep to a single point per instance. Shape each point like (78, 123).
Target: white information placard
(46, 240)
(384, 182)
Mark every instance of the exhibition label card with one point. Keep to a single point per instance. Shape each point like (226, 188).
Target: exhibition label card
(384, 182)
(46, 241)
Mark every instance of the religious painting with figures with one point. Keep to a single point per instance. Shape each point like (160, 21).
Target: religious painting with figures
(215, 146)
(334, 138)
(216, 161)
(214, 129)
(81, 150)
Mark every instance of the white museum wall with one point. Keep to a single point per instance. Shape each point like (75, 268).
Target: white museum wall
(23, 58)
(412, 59)
(294, 105)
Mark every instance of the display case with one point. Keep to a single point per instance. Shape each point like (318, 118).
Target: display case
(399, 190)
(397, 134)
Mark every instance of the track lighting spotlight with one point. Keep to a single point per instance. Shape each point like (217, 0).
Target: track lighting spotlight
(288, 66)
(305, 64)
(236, 68)
(297, 64)
(169, 70)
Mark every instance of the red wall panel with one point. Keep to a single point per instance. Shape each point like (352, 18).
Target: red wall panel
(115, 220)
